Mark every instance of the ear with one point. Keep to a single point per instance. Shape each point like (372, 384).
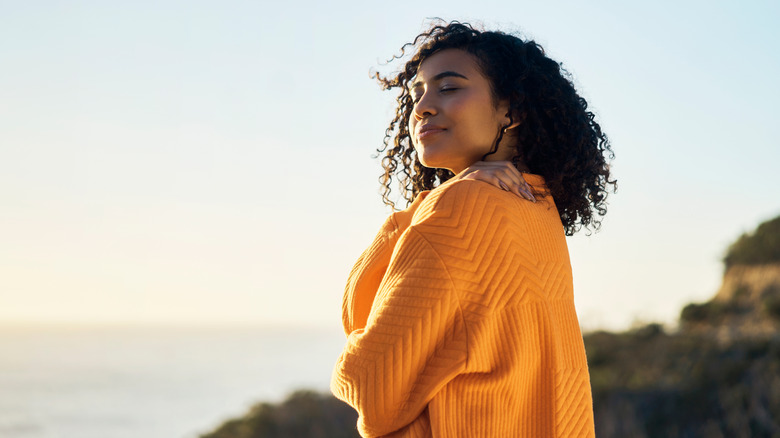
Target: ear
(511, 122)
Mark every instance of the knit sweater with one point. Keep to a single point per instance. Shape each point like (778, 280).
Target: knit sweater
(460, 321)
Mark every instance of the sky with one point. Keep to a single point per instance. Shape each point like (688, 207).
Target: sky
(211, 163)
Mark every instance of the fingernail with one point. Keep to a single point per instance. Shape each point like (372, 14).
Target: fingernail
(524, 190)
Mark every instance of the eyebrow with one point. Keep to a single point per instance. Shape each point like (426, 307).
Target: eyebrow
(441, 75)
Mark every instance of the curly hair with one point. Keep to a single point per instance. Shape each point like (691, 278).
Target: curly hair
(558, 138)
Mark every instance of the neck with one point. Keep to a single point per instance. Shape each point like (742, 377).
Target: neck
(507, 151)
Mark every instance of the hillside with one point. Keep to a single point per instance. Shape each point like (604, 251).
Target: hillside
(648, 383)
(305, 414)
(717, 375)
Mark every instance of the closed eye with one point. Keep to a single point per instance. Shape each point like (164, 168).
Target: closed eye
(416, 99)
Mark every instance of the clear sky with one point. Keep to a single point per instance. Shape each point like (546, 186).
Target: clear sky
(200, 162)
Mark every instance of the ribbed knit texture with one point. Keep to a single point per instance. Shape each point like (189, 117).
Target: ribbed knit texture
(460, 322)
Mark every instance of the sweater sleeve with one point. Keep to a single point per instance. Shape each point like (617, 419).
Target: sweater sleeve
(368, 271)
(413, 343)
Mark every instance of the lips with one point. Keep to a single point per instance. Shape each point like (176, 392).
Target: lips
(428, 130)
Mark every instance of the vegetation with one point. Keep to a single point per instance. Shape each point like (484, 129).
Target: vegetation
(647, 383)
(759, 247)
(771, 302)
(704, 312)
(305, 414)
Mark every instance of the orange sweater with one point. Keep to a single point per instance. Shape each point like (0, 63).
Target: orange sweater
(460, 322)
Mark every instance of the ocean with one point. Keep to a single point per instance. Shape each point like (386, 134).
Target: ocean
(151, 382)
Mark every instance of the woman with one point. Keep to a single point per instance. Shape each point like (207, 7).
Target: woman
(460, 318)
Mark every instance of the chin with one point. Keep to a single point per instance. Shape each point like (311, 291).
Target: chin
(427, 163)
(433, 164)
(431, 160)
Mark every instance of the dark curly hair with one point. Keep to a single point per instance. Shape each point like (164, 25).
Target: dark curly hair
(558, 138)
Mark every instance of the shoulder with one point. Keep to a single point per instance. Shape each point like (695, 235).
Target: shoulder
(465, 212)
(480, 215)
(465, 202)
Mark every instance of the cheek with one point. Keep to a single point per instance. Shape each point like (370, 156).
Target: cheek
(412, 140)
(474, 113)
(411, 126)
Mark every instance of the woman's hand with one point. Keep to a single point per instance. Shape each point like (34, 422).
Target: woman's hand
(501, 174)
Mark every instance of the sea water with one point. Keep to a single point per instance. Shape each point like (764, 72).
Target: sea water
(151, 382)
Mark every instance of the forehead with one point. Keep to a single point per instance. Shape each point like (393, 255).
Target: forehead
(456, 60)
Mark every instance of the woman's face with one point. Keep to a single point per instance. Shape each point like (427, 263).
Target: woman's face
(454, 121)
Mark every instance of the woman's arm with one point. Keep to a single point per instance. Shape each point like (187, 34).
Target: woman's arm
(414, 342)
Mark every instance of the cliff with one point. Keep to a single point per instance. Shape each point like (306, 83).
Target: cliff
(717, 375)
(747, 305)
(748, 302)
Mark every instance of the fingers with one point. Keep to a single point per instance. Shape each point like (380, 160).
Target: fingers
(508, 174)
(524, 191)
(501, 174)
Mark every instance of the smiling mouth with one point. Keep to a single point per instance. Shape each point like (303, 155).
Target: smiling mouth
(429, 132)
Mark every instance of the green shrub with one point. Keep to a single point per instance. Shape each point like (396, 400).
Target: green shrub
(305, 414)
(713, 312)
(648, 331)
(771, 305)
(694, 312)
(760, 247)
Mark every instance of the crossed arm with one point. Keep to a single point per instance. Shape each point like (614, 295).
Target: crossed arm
(414, 342)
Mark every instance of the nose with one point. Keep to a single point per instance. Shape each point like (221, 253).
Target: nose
(425, 107)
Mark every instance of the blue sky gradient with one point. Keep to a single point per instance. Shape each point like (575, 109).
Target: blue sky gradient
(202, 163)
